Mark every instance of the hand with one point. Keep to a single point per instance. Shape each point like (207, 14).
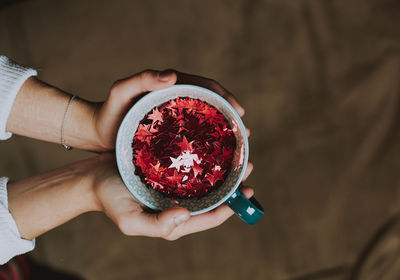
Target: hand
(129, 215)
(124, 93)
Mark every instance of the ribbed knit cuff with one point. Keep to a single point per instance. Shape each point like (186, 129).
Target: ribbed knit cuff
(12, 77)
(11, 243)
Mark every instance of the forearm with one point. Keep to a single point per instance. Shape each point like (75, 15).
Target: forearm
(39, 110)
(45, 201)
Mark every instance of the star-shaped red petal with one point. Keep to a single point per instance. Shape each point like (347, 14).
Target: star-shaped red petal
(217, 173)
(176, 178)
(156, 116)
(210, 178)
(157, 168)
(142, 132)
(226, 154)
(196, 169)
(171, 105)
(185, 145)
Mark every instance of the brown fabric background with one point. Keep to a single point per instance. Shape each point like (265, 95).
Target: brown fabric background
(321, 84)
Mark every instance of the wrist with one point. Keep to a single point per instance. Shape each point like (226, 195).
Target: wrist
(104, 180)
(90, 182)
(52, 198)
(80, 126)
(40, 111)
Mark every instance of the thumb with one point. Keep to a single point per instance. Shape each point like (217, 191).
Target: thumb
(123, 91)
(161, 224)
(171, 219)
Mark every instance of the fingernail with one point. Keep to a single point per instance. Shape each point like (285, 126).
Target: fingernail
(165, 75)
(181, 219)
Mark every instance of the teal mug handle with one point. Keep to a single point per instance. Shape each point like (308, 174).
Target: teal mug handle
(249, 210)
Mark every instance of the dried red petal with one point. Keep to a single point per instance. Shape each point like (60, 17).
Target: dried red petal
(155, 116)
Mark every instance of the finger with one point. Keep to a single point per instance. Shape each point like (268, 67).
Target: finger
(203, 222)
(123, 91)
(154, 225)
(184, 78)
(248, 171)
(248, 132)
(207, 220)
(247, 191)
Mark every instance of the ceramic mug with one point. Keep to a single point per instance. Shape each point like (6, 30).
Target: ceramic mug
(249, 211)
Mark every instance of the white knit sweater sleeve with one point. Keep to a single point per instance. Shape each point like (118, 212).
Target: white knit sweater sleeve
(11, 243)
(12, 77)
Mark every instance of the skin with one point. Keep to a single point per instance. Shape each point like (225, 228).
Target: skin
(52, 198)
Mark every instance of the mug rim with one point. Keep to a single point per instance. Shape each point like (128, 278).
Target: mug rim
(221, 100)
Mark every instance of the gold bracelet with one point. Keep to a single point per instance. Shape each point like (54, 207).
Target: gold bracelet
(63, 123)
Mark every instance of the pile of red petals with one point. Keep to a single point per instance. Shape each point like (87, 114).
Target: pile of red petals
(183, 148)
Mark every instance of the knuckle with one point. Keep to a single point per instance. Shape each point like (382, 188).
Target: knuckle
(146, 78)
(213, 82)
(168, 238)
(217, 221)
(216, 86)
(124, 226)
(146, 75)
(115, 87)
(171, 70)
(165, 231)
(123, 230)
(210, 82)
(172, 237)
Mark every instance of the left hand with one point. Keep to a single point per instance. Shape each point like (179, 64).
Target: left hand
(114, 199)
(109, 115)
